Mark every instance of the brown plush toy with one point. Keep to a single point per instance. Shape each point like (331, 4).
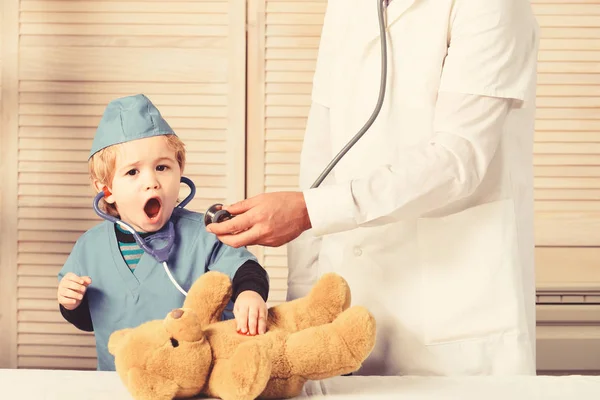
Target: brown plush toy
(192, 352)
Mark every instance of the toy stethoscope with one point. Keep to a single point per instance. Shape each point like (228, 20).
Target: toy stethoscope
(215, 214)
(160, 254)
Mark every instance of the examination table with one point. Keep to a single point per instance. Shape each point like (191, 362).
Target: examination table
(23, 384)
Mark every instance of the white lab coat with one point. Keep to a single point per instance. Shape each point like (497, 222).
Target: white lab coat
(430, 215)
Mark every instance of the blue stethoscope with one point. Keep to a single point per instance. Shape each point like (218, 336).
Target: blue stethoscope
(160, 254)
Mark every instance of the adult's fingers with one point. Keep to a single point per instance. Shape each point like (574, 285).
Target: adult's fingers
(246, 238)
(239, 223)
(241, 206)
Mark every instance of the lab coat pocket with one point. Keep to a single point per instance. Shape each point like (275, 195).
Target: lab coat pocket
(471, 274)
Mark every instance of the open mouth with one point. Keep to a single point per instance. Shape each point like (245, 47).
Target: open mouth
(152, 207)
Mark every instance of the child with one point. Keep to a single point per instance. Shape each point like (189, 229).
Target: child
(108, 282)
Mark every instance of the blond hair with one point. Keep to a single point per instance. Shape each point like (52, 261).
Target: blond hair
(102, 167)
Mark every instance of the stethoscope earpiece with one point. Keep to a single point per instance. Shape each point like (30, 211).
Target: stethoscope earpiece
(215, 214)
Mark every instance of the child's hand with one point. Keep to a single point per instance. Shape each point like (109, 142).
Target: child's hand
(71, 290)
(250, 312)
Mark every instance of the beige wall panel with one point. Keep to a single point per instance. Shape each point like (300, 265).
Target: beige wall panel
(67, 60)
(568, 337)
(567, 187)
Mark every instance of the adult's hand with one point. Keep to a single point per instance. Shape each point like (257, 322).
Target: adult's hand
(269, 219)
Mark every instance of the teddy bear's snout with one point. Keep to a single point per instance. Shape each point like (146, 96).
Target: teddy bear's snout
(177, 313)
(183, 324)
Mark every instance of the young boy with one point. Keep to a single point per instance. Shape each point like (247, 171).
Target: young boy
(108, 282)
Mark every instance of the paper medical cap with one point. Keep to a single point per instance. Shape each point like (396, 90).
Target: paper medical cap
(126, 119)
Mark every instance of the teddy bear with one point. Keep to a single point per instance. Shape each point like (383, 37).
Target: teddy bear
(194, 352)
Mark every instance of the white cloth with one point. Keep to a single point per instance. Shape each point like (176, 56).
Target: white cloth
(430, 215)
(26, 384)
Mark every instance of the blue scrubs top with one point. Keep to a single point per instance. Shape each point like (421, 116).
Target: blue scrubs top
(121, 298)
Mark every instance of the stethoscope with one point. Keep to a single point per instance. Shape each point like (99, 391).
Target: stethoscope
(160, 254)
(215, 214)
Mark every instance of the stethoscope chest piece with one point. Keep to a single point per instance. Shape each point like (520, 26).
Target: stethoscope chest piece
(215, 214)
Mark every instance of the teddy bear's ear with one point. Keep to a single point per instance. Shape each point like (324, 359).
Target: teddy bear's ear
(116, 338)
(209, 296)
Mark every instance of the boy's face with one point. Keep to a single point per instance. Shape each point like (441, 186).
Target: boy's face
(146, 183)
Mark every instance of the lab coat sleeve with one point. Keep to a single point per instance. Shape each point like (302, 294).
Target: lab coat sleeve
(490, 63)
(303, 252)
(492, 48)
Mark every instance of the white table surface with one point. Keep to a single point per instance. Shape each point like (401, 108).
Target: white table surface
(92, 385)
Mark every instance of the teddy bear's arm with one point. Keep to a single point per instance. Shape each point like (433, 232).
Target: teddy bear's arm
(332, 349)
(242, 377)
(326, 300)
(209, 296)
(145, 386)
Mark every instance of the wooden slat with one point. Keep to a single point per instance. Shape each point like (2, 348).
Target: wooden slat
(49, 328)
(113, 89)
(97, 110)
(118, 18)
(156, 43)
(87, 122)
(57, 351)
(566, 267)
(37, 293)
(134, 7)
(125, 30)
(174, 102)
(573, 206)
(40, 316)
(39, 304)
(39, 362)
(34, 272)
(104, 64)
(577, 228)
(84, 340)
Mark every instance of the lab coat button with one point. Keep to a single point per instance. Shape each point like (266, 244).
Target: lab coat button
(357, 251)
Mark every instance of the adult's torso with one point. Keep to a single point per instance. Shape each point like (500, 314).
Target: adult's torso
(453, 290)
